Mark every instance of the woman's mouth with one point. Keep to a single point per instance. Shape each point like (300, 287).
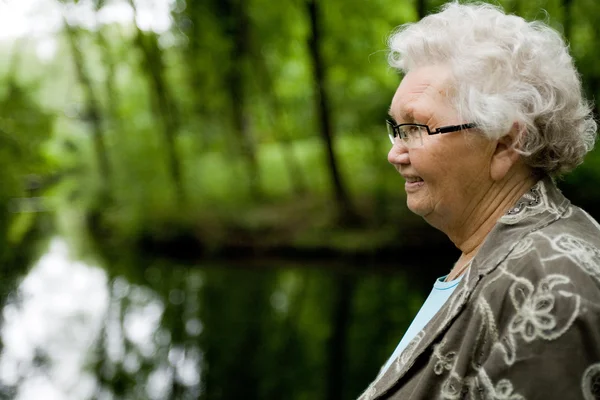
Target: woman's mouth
(413, 183)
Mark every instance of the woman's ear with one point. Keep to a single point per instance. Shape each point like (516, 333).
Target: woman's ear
(505, 155)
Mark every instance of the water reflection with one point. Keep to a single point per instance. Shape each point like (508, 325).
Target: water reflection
(141, 327)
(71, 333)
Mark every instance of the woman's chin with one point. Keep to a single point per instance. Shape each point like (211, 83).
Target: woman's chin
(418, 206)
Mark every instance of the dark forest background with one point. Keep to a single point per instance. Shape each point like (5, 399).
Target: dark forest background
(234, 166)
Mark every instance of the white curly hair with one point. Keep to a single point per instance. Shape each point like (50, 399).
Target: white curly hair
(506, 70)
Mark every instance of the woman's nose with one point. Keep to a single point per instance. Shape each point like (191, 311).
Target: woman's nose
(398, 154)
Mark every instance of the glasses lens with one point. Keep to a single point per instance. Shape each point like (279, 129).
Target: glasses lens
(390, 132)
(413, 135)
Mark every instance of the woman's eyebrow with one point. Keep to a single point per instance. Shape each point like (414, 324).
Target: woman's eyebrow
(405, 116)
(392, 117)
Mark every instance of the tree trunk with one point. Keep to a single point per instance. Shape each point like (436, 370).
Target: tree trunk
(421, 9)
(291, 162)
(192, 23)
(109, 63)
(239, 32)
(337, 343)
(567, 6)
(93, 112)
(514, 7)
(111, 92)
(289, 157)
(16, 57)
(324, 115)
(163, 103)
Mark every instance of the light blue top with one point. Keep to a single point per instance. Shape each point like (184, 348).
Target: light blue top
(437, 298)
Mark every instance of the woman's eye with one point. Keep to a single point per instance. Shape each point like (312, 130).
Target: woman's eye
(412, 130)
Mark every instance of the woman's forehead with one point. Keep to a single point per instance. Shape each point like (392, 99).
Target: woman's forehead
(424, 87)
(433, 81)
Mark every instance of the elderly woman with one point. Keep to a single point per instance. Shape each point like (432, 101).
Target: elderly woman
(489, 111)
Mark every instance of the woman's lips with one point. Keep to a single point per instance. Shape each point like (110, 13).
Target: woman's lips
(411, 186)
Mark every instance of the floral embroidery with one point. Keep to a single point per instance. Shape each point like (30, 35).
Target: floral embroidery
(504, 391)
(483, 385)
(533, 315)
(408, 351)
(590, 383)
(529, 199)
(534, 308)
(508, 347)
(521, 248)
(531, 203)
(453, 388)
(443, 362)
(486, 336)
(581, 252)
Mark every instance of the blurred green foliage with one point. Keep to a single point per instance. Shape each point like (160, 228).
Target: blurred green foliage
(147, 150)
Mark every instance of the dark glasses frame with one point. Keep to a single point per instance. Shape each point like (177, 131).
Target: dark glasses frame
(396, 131)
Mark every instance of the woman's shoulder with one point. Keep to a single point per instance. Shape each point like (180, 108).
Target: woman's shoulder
(568, 248)
(577, 222)
(575, 236)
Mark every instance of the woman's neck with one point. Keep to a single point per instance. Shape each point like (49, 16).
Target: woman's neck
(470, 234)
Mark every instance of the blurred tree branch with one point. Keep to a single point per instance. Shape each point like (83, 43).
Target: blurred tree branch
(323, 111)
(92, 106)
(153, 66)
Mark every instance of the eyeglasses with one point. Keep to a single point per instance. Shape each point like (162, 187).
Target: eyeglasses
(412, 134)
